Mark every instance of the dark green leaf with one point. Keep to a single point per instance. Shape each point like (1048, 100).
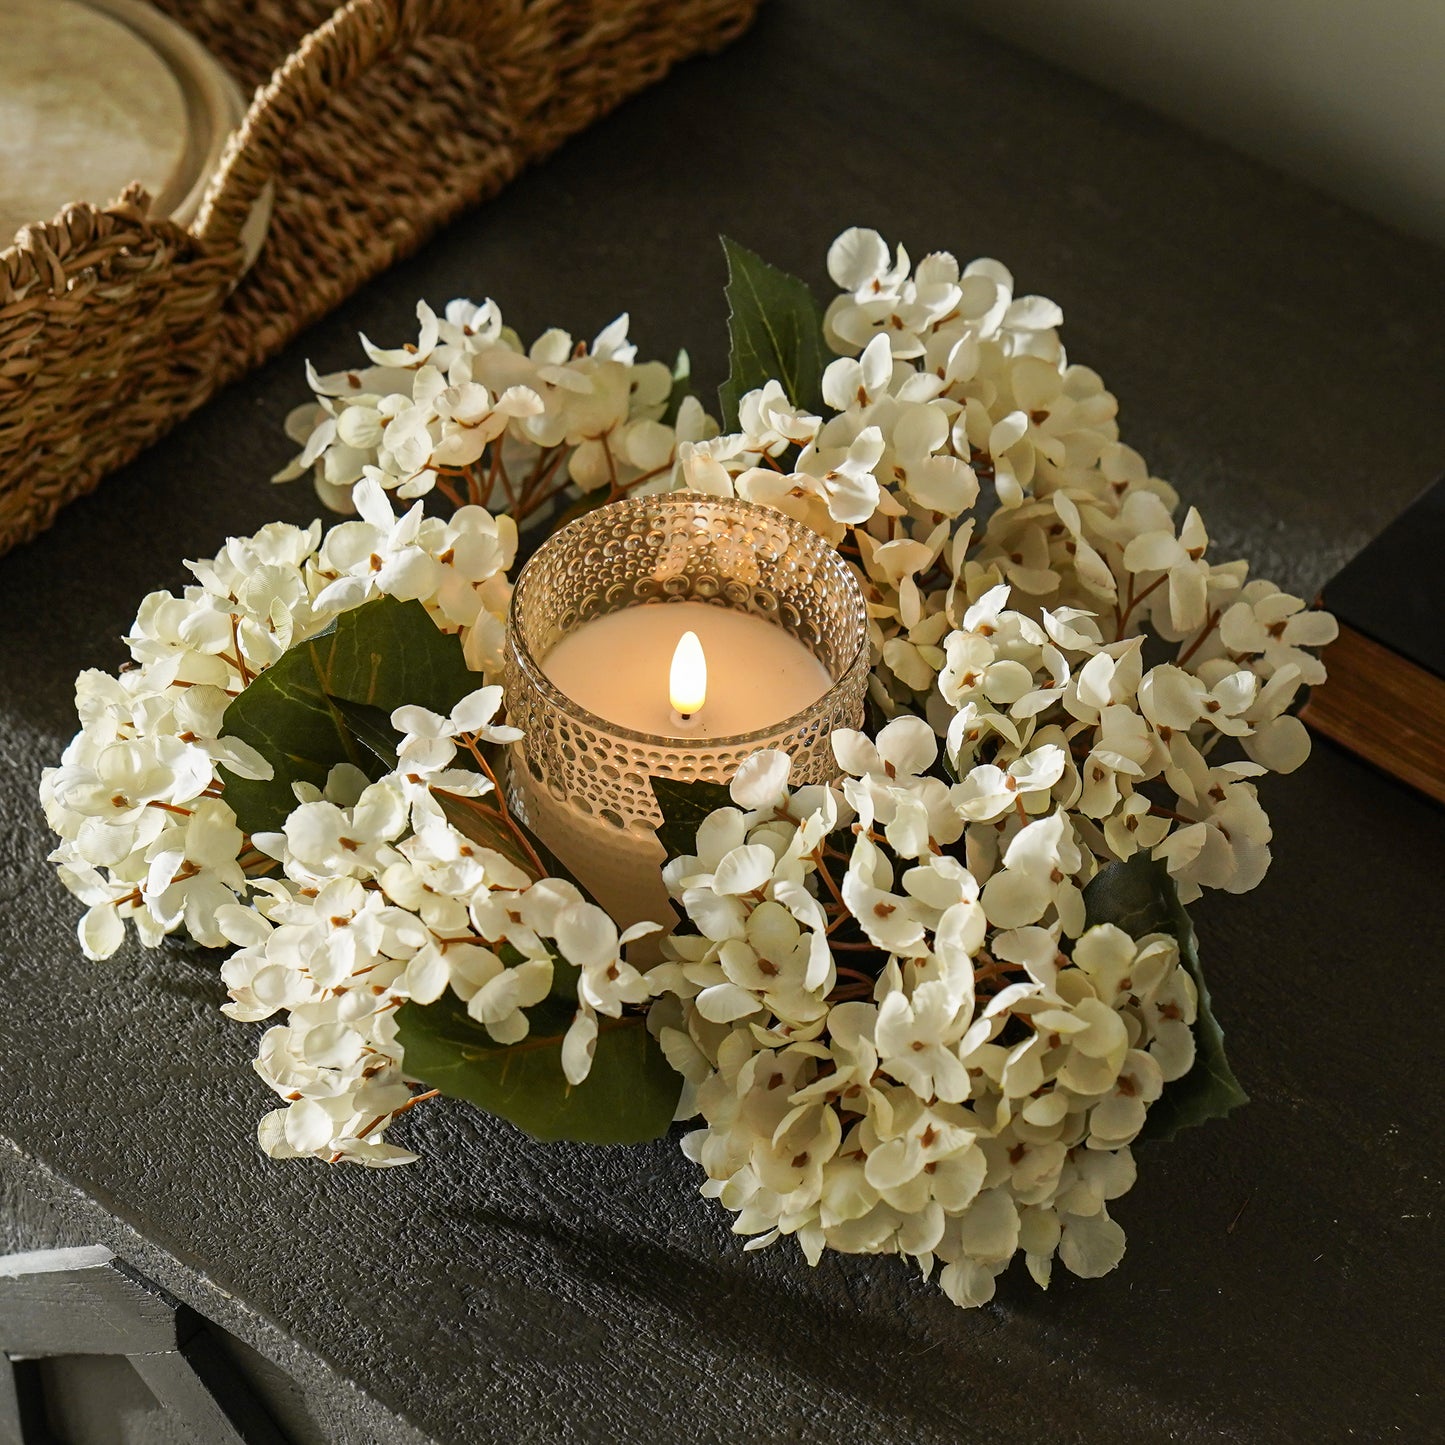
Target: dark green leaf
(684, 806)
(681, 388)
(477, 819)
(383, 654)
(630, 1094)
(371, 727)
(776, 332)
(1140, 897)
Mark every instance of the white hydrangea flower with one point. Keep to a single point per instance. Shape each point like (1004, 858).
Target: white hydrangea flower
(1004, 1043)
(138, 801)
(950, 1107)
(383, 901)
(468, 412)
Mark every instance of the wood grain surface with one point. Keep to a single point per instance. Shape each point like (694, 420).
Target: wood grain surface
(86, 107)
(1282, 362)
(1385, 708)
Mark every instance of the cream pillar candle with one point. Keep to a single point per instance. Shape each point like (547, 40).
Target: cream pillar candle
(596, 622)
(620, 867)
(619, 667)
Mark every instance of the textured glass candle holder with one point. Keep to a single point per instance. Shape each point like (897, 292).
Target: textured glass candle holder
(582, 782)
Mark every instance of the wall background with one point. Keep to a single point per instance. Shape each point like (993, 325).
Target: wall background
(1349, 94)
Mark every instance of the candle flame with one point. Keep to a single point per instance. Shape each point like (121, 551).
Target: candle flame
(687, 683)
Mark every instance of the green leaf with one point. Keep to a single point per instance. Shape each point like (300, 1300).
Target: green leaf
(630, 1094)
(371, 727)
(1140, 897)
(776, 332)
(383, 654)
(681, 388)
(684, 806)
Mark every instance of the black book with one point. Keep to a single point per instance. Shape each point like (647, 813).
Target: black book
(1385, 695)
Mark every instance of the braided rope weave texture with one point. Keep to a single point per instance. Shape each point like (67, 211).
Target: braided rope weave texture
(375, 124)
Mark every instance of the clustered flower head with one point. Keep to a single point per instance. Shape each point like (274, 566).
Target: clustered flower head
(145, 830)
(899, 1030)
(949, 388)
(1077, 628)
(384, 900)
(973, 1098)
(466, 410)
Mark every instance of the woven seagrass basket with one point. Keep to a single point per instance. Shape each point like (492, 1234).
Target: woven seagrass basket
(374, 124)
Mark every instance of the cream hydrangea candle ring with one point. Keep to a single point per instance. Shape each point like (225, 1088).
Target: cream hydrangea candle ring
(932, 977)
(602, 619)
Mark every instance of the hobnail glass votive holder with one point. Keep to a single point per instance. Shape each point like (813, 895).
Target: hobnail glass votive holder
(582, 782)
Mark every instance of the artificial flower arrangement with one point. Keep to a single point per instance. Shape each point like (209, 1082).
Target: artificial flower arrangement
(926, 1010)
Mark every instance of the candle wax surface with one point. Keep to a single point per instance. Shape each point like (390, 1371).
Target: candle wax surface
(617, 666)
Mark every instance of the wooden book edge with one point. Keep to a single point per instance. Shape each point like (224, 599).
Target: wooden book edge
(1383, 707)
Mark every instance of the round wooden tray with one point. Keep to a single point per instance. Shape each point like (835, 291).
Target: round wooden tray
(95, 94)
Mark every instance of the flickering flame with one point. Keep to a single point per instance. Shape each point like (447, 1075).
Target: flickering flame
(687, 683)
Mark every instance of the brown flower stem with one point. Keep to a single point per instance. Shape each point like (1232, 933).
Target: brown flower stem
(186, 870)
(247, 676)
(513, 492)
(497, 472)
(1118, 611)
(395, 1114)
(646, 477)
(827, 878)
(994, 971)
(1210, 624)
(1134, 602)
(534, 491)
(611, 464)
(1161, 812)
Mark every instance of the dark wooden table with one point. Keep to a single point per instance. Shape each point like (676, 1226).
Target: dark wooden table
(1282, 361)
